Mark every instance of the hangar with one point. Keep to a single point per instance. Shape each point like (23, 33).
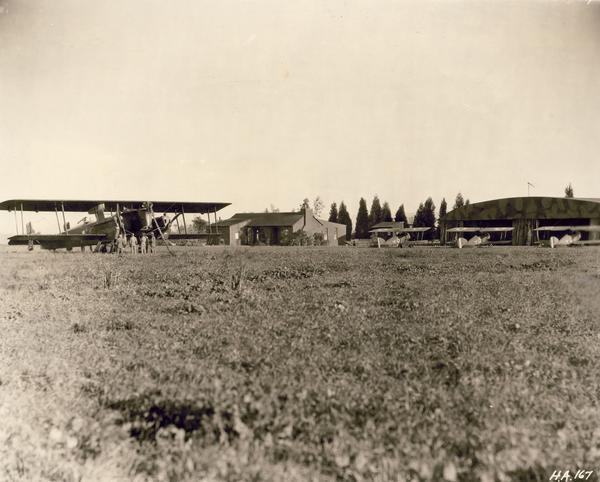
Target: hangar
(524, 215)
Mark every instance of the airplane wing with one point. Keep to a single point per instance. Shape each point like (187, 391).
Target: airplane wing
(414, 230)
(57, 241)
(553, 228)
(384, 230)
(463, 230)
(176, 236)
(496, 230)
(44, 205)
(589, 229)
(399, 230)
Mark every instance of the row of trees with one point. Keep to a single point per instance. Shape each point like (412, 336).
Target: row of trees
(341, 216)
(366, 219)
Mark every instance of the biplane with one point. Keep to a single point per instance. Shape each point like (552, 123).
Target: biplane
(480, 236)
(571, 235)
(400, 237)
(110, 219)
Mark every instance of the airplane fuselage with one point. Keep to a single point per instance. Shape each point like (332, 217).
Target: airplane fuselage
(104, 230)
(132, 221)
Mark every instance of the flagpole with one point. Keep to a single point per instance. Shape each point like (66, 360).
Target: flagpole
(528, 185)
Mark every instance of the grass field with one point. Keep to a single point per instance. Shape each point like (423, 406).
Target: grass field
(300, 364)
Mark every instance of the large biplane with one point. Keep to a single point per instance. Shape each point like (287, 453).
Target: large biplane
(480, 236)
(569, 235)
(110, 220)
(400, 236)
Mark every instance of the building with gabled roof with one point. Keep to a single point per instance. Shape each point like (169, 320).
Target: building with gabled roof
(278, 228)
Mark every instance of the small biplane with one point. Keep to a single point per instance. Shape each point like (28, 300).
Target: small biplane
(110, 220)
(571, 235)
(400, 237)
(480, 236)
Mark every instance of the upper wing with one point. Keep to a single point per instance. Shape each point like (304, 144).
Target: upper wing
(384, 230)
(414, 230)
(552, 228)
(569, 228)
(496, 230)
(463, 230)
(86, 205)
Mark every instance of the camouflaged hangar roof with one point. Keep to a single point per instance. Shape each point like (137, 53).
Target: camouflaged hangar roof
(534, 207)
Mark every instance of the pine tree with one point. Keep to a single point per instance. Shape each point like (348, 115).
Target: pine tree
(375, 213)
(442, 221)
(333, 213)
(443, 208)
(344, 218)
(429, 218)
(362, 220)
(569, 191)
(418, 221)
(425, 217)
(401, 215)
(386, 214)
(459, 202)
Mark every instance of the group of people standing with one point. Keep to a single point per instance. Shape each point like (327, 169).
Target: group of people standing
(131, 244)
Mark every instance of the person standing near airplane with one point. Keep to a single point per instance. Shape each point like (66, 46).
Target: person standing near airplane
(143, 243)
(152, 243)
(134, 244)
(121, 243)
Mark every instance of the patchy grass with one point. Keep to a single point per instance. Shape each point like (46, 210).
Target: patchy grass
(300, 364)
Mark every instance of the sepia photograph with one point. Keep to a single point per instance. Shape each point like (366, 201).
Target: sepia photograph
(308, 240)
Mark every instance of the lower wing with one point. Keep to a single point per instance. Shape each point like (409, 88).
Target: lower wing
(57, 241)
(176, 236)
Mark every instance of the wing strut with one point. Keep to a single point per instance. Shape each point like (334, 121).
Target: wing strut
(160, 232)
(57, 221)
(62, 207)
(120, 221)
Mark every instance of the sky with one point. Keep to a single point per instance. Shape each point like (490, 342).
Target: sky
(263, 103)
